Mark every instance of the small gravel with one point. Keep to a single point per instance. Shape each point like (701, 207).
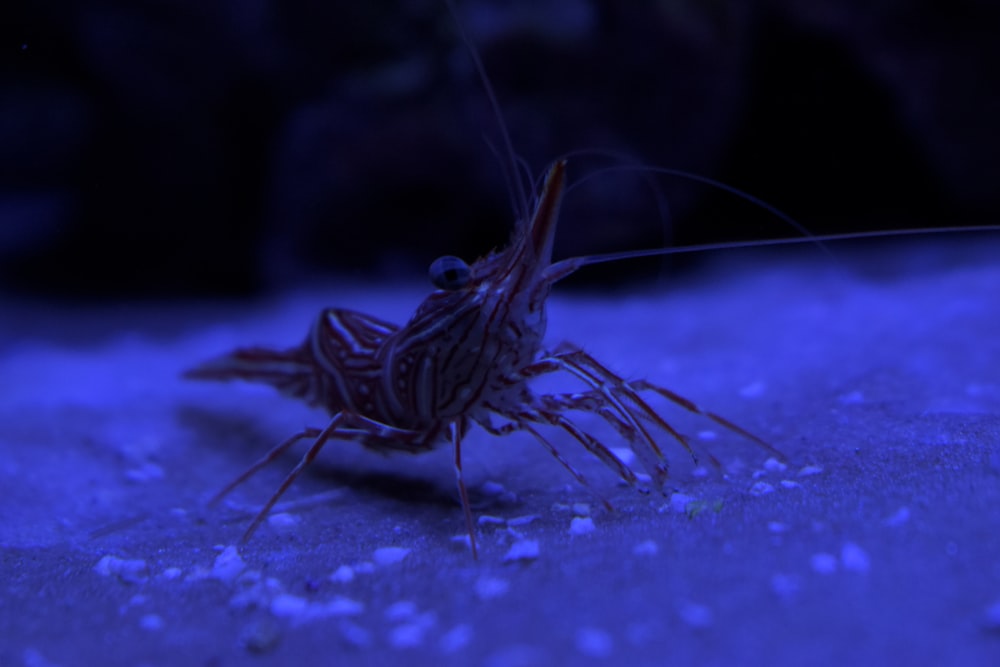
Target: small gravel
(522, 550)
(228, 565)
(854, 558)
(128, 570)
(774, 465)
(581, 525)
(594, 642)
(901, 516)
(390, 555)
(489, 588)
(456, 639)
(823, 563)
(646, 548)
(695, 615)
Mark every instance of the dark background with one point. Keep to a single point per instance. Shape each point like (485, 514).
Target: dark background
(177, 147)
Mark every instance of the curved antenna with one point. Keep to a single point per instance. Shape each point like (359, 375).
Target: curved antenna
(512, 164)
(706, 180)
(559, 270)
(662, 204)
(516, 207)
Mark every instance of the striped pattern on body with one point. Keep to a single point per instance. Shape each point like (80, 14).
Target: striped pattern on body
(462, 351)
(334, 368)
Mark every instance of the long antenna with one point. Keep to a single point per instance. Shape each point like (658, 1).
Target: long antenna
(561, 269)
(508, 147)
(706, 180)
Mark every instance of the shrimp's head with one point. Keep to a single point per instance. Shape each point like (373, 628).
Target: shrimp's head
(467, 341)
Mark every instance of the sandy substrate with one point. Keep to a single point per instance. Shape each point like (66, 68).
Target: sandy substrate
(877, 543)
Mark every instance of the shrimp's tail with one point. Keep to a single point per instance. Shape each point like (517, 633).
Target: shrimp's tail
(292, 372)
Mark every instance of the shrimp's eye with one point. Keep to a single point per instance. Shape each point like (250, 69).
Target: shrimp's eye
(449, 273)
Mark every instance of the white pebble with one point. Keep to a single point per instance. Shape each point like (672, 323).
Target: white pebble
(228, 565)
(489, 588)
(171, 573)
(646, 548)
(854, 558)
(594, 642)
(300, 609)
(761, 489)
(390, 555)
(852, 398)
(151, 622)
(131, 571)
(695, 615)
(581, 509)
(456, 639)
(343, 574)
(488, 519)
(790, 484)
(339, 606)
(282, 520)
(823, 563)
(581, 525)
(806, 471)
(408, 635)
(624, 454)
(144, 473)
(774, 465)
(679, 502)
(354, 634)
(522, 520)
(522, 550)
(397, 611)
(700, 471)
(411, 633)
(901, 516)
(254, 591)
(491, 488)
(785, 586)
(287, 605)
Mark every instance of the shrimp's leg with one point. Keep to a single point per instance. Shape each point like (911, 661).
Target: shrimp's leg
(618, 402)
(274, 453)
(307, 458)
(456, 438)
(687, 404)
(621, 399)
(520, 422)
(584, 362)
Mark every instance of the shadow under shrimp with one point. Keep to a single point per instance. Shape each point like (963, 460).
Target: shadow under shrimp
(238, 436)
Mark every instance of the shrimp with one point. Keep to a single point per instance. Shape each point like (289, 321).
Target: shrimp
(466, 356)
